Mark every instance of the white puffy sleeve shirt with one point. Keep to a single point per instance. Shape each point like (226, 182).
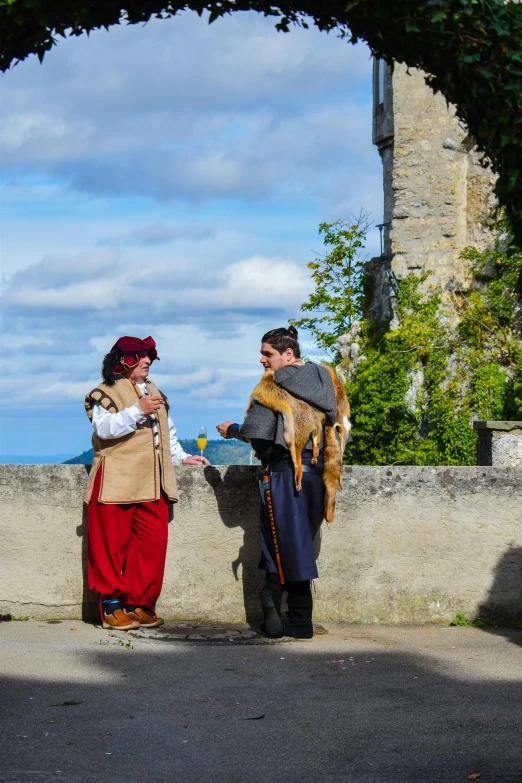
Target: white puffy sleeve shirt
(114, 425)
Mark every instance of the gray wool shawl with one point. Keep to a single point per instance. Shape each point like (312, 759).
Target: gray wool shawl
(308, 382)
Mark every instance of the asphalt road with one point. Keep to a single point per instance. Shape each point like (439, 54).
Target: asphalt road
(360, 705)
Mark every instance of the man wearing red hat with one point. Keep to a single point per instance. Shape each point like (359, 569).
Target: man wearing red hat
(131, 485)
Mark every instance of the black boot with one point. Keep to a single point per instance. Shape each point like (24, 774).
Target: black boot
(300, 606)
(270, 597)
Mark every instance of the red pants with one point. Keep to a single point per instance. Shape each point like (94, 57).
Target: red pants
(127, 548)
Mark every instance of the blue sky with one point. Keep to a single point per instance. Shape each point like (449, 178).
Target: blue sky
(169, 180)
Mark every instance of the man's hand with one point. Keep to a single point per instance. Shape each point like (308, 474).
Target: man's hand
(195, 461)
(150, 404)
(222, 429)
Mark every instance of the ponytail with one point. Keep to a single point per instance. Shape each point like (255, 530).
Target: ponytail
(282, 339)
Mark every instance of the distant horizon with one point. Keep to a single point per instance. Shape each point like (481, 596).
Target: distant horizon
(58, 458)
(34, 459)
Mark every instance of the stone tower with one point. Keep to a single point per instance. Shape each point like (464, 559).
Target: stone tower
(437, 197)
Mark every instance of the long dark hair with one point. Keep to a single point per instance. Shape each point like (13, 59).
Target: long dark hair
(283, 338)
(109, 361)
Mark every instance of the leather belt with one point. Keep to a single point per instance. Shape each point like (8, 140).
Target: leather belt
(284, 466)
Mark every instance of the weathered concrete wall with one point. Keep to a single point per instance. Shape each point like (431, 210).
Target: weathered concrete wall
(408, 545)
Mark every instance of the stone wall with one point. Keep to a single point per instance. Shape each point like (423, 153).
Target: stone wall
(409, 545)
(499, 443)
(437, 197)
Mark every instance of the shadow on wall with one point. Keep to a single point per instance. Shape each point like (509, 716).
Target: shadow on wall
(503, 605)
(230, 491)
(89, 600)
(90, 609)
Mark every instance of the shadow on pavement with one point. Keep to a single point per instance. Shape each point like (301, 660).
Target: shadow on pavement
(345, 712)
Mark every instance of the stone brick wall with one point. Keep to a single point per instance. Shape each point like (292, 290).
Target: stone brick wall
(437, 197)
(499, 443)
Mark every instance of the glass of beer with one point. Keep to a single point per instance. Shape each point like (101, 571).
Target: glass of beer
(202, 439)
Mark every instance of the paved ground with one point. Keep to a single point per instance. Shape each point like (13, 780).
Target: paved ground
(360, 705)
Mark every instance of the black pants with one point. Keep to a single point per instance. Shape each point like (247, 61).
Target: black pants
(299, 599)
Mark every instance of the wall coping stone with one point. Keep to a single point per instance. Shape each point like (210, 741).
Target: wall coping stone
(499, 426)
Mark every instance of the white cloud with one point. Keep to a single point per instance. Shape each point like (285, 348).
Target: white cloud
(161, 234)
(118, 285)
(183, 109)
(169, 180)
(73, 390)
(265, 282)
(93, 295)
(207, 324)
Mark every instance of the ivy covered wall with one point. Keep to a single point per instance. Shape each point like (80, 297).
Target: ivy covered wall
(416, 389)
(446, 357)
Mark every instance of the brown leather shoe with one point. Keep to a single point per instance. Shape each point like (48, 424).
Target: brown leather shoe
(143, 617)
(120, 621)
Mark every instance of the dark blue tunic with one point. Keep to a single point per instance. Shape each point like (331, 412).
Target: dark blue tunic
(297, 514)
(297, 517)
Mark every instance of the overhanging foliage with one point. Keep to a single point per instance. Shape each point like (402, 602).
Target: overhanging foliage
(472, 50)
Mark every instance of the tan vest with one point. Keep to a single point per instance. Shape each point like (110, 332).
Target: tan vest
(132, 471)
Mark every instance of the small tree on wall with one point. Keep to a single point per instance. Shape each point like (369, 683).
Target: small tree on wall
(469, 48)
(338, 297)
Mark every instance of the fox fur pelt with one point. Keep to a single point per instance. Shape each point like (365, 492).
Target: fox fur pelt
(303, 422)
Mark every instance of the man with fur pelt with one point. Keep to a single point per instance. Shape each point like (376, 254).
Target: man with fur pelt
(297, 422)
(130, 486)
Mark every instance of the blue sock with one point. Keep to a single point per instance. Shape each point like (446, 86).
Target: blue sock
(110, 605)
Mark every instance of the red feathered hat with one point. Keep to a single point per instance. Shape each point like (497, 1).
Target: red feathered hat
(130, 347)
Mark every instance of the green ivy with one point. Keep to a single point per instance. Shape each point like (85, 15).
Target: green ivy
(471, 49)
(418, 387)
